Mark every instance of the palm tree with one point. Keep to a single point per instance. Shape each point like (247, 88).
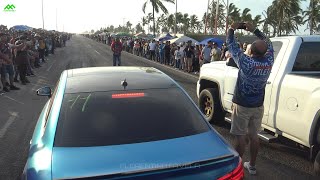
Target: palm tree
(171, 22)
(312, 16)
(193, 22)
(161, 22)
(156, 4)
(205, 20)
(128, 26)
(257, 20)
(139, 28)
(185, 23)
(221, 16)
(292, 24)
(149, 19)
(179, 21)
(144, 22)
(234, 13)
(270, 19)
(246, 16)
(285, 10)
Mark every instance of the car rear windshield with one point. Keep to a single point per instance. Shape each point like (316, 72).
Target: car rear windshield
(114, 118)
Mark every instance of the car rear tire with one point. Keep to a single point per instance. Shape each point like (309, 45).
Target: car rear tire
(210, 106)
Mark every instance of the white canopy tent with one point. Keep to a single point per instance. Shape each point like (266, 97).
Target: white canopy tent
(182, 39)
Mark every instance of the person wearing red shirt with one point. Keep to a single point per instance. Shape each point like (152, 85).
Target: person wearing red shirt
(116, 48)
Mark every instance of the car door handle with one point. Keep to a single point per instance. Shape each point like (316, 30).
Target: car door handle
(268, 82)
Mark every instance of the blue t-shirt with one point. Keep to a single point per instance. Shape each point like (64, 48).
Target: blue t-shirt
(253, 72)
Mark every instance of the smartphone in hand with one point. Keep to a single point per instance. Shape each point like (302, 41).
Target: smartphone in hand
(242, 26)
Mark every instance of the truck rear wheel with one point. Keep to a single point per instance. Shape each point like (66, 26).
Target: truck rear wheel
(210, 106)
(316, 165)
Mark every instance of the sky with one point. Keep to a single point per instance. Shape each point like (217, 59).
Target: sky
(80, 15)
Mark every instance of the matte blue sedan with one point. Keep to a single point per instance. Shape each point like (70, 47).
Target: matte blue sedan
(125, 123)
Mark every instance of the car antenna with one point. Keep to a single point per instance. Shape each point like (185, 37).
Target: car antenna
(124, 84)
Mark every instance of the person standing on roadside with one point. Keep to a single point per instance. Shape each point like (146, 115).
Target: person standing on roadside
(205, 53)
(22, 59)
(42, 48)
(116, 48)
(7, 66)
(189, 52)
(177, 57)
(167, 55)
(248, 99)
(152, 48)
(215, 52)
(197, 54)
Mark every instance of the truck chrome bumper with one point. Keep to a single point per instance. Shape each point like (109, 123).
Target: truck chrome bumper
(198, 88)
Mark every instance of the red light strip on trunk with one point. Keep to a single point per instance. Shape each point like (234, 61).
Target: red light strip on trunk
(127, 95)
(236, 174)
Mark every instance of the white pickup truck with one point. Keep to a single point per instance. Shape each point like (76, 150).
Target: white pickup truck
(292, 95)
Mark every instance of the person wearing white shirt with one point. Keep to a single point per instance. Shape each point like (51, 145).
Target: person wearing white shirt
(152, 48)
(178, 56)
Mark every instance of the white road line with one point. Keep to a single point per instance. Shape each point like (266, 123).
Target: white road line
(50, 67)
(13, 99)
(3, 130)
(97, 52)
(42, 77)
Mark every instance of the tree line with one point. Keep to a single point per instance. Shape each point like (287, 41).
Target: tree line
(282, 17)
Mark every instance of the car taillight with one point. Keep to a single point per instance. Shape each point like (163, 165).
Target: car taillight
(236, 174)
(127, 95)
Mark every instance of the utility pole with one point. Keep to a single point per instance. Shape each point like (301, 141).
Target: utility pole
(311, 16)
(205, 28)
(56, 19)
(227, 17)
(42, 16)
(175, 27)
(216, 19)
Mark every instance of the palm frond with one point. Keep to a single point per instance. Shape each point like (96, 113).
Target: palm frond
(144, 6)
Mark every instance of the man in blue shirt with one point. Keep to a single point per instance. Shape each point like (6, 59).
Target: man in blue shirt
(249, 93)
(206, 53)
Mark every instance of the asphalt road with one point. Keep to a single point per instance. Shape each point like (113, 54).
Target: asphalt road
(19, 111)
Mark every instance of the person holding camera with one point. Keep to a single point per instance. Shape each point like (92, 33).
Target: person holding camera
(248, 99)
(6, 49)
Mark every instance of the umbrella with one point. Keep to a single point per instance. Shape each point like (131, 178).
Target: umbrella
(183, 39)
(165, 38)
(22, 28)
(216, 40)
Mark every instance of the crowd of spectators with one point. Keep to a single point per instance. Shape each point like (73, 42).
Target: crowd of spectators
(21, 52)
(184, 56)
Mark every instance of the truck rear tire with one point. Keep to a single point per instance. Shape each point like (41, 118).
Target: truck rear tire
(316, 166)
(210, 106)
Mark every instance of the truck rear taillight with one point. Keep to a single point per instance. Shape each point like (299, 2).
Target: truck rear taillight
(236, 174)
